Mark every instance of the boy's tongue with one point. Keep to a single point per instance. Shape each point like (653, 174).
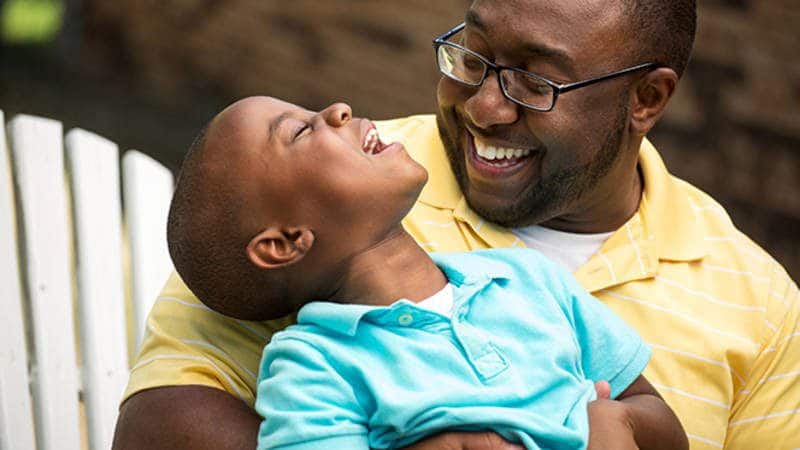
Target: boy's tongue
(380, 147)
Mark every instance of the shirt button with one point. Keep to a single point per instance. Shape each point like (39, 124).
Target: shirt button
(405, 319)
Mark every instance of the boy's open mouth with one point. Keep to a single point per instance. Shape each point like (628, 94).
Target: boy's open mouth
(371, 143)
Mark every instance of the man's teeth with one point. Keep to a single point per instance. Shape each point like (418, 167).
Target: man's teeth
(492, 153)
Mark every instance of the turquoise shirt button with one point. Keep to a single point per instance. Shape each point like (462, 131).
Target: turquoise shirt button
(405, 319)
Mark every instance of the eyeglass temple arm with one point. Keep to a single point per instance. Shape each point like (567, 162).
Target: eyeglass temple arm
(579, 84)
(450, 33)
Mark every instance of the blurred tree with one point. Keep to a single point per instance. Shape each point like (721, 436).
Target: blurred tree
(30, 21)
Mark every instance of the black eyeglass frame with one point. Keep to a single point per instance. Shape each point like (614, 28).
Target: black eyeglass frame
(497, 68)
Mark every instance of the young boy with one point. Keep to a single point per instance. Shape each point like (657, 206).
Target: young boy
(277, 206)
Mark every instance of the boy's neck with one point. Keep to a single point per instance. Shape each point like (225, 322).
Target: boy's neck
(393, 269)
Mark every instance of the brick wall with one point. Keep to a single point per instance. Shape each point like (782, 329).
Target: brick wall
(375, 54)
(733, 128)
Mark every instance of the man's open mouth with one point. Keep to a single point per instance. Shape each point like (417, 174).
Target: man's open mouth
(371, 143)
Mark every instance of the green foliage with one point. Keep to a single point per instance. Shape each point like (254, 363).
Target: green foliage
(30, 21)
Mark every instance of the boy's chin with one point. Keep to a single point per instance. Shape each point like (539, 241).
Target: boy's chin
(418, 180)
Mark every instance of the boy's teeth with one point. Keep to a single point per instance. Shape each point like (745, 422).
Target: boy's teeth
(492, 153)
(370, 141)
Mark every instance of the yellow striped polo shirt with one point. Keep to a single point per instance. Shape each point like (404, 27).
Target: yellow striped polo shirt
(719, 313)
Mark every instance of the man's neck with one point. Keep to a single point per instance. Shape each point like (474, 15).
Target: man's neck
(611, 203)
(393, 269)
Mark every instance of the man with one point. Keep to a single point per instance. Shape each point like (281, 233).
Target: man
(539, 141)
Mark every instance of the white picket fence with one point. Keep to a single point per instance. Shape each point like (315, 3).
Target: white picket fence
(64, 339)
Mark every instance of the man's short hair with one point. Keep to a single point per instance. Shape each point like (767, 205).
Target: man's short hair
(664, 29)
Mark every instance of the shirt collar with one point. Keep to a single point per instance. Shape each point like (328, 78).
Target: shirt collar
(462, 273)
(664, 228)
(666, 211)
(339, 317)
(469, 271)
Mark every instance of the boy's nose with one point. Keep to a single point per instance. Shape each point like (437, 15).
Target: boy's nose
(337, 114)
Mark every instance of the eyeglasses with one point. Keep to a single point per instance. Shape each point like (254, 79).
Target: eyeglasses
(523, 88)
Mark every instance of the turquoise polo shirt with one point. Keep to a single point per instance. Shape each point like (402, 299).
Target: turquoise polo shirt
(519, 356)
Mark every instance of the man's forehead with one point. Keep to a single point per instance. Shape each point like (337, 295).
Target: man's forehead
(562, 30)
(538, 11)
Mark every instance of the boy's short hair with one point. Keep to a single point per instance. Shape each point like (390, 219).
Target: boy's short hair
(206, 245)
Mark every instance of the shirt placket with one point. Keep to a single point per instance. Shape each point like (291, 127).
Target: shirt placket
(486, 360)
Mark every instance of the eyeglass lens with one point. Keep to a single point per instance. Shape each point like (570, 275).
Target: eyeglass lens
(466, 68)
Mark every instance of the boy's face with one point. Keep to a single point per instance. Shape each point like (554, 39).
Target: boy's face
(326, 171)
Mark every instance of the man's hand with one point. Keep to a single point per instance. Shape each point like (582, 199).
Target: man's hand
(185, 417)
(479, 440)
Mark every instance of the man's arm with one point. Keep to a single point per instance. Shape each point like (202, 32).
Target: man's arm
(765, 411)
(199, 417)
(638, 418)
(185, 417)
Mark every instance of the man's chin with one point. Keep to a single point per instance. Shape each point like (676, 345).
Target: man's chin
(509, 214)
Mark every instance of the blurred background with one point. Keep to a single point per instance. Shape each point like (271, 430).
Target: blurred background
(148, 74)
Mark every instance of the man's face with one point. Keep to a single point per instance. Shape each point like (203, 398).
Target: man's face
(327, 171)
(556, 163)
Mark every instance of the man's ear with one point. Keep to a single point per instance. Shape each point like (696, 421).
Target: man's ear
(275, 247)
(651, 95)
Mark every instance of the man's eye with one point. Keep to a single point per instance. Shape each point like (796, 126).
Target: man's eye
(302, 130)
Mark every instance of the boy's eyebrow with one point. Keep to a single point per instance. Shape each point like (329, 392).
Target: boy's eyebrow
(275, 124)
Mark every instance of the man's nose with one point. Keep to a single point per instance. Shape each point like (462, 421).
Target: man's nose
(488, 106)
(337, 114)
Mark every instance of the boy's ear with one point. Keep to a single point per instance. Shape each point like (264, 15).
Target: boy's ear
(279, 247)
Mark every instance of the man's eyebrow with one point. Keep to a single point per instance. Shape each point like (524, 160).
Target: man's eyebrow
(557, 56)
(473, 19)
(276, 124)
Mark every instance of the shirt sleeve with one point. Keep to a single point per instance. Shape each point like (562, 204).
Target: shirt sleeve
(305, 402)
(186, 343)
(767, 409)
(610, 349)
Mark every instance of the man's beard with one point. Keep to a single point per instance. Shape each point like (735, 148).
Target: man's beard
(551, 196)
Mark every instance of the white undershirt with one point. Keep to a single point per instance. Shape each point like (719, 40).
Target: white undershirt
(570, 250)
(440, 302)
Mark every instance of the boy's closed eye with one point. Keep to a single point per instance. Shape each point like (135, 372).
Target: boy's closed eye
(301, 130)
